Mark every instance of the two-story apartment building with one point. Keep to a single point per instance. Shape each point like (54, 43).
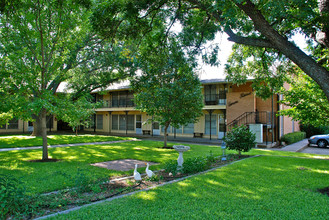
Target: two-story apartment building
(225, 105)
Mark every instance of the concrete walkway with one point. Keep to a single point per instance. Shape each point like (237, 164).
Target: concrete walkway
(66, 145)
(296, 147)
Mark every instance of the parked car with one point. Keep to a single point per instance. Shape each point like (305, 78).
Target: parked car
(320, 140)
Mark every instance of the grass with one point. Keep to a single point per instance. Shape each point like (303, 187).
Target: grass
(50, 176)
(7, 141)
(279, 185)
(267, 187)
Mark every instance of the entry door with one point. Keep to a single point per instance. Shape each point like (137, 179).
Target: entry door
(139, 124)
(221, 126)
(30, 126)
(156, 128)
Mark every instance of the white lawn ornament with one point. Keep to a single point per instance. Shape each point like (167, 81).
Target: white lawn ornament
(137, 175)
(149, 172)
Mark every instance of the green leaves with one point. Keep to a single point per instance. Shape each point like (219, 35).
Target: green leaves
(307, 102)
(240, 138)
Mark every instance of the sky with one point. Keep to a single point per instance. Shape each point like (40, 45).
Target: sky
(218, 72)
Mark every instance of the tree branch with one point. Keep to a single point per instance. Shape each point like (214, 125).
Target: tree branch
(250, 41)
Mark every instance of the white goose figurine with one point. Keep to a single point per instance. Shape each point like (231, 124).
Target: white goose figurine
(137, 175)
(149, 172)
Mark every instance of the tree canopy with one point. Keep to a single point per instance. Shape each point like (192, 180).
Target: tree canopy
(307, 102)
(167, 88)
(264, 29)
(45, 43)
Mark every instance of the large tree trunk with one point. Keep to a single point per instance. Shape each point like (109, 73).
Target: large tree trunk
(37, 127)
(42, 128)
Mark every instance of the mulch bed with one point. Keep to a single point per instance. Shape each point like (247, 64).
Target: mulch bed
(46, 160)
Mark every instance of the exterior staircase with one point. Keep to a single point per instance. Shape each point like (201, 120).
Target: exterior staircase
(266, 118)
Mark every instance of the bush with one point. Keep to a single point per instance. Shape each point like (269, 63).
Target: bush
(171, 167)
(190, 165)
(196, 164)
(13, 198)
(294, 137)
(311, 130)
(240, 138)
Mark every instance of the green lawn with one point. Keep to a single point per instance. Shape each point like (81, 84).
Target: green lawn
(45, 177)
(267, 187)
(279, 185)
(7, 141)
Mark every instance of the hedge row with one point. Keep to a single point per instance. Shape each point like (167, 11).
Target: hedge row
(294, 137)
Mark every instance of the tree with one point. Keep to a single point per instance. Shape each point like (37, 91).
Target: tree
(167, 89)
(240, 138)
(307, 102)
(78, 113)
(45, 43)
(264, 27)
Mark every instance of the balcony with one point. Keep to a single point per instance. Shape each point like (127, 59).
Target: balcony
(121, 103)
(215, 99)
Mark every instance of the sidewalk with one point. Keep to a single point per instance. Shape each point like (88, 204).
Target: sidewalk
(65, 145)
(296, 147)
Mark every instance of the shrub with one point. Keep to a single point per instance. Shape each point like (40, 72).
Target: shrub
(211, 157)
(294, 137)
(240, 138)
(171, 167)
(196, 164)
(311, 130)
(13, 197)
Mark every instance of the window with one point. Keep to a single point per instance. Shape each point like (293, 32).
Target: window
(13, 124)
(163, 127)
(99, 121)
(138, 121)
(49, 120)
(115, 122)
(189, 128)
(156, 125)
(131, 122)
(92, 121)
(213, 124)
(179, 130)
(222, 126)
(122, 99)
(115, 99)
(122, 122)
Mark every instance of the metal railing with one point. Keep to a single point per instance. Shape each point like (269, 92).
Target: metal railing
(215, 99)
(253, 118)
(121, 103)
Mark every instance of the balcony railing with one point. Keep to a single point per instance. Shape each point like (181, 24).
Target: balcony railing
(121, 103)
(215, 99)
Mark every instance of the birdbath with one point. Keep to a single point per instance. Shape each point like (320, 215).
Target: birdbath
(181, 149)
